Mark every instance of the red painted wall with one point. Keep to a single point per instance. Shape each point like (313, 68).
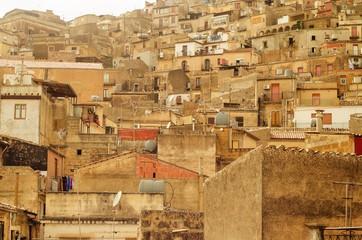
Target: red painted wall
(358, 145)
(147, 167)
(139, 134)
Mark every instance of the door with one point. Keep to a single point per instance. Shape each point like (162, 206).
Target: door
(355, 49)
(316, 99)
(275, 119)
(354, 31)
(275, 92)
(1, 230)
(184, 50)
(206, 25)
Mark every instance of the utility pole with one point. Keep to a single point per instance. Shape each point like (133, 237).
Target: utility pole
(347, 197)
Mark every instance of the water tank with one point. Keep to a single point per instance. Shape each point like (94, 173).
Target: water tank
(234, 124)
(288, 73)
(151, 186)
(151, 146)
(313, 123)
(222, 119)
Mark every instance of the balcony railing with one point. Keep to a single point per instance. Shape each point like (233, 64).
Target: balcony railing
(277, 97)
(185, 54)
(318, 102)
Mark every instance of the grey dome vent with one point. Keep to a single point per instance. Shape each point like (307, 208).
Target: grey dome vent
(222, 119)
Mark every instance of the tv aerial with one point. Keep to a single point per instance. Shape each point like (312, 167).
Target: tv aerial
(117, 198)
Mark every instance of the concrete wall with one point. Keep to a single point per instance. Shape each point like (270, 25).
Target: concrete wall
(185, 151)
(120, 173)
(233, 209)
(99, 204)
(156, 225)
(98, 218)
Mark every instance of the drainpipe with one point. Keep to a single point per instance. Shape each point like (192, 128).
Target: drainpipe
(201, 185)
(16, 191)
(319, 116)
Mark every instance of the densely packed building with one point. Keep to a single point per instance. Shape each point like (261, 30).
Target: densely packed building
(172, 94)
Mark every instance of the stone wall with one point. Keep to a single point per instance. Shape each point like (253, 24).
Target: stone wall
(355, 124)
(28, 187)
(272, 193)
(233, 204)
(22, 153)
(298, 189)
(329, 142)
(185, 151)
(156, 225)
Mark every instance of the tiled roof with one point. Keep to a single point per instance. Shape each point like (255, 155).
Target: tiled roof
(46, 64)
(287, 135)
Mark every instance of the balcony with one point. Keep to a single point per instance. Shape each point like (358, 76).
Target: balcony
(354, 37)
(318, 102)
(185, 54)
(277, 97)
(187, 29)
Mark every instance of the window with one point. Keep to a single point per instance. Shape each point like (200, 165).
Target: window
(314, 50)
(20, 111)
(330, 67)
(198, 82)
(160, 22)
(313, 38)
(207, 64)
(173, 19)
(354, 32)
(291, 42)
(218, 61)
(51, 49)
(178, 100)
(105, 93)
(136, 87)
(327, 117)
(164, 11)
(265, 44)
(311, 26)
(74, 48)
(184, 66)
(343, 80)
(106, 78)
(300, 69)
(79, 152)
(211, 121)
(240, 121)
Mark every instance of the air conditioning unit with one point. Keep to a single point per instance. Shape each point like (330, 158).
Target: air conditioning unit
(266, 86)
(279, 71)
(137, 126)
(343, 81)
(357, 80)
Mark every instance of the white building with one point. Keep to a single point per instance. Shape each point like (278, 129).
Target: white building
(334, 116)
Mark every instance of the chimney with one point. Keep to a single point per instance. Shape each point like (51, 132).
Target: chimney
(319, 116)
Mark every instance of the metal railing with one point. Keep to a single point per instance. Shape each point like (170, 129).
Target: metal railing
(318, 102)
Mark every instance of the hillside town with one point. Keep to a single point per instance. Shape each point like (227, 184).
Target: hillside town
(183, 119)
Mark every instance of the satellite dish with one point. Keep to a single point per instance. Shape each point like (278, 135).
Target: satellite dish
(117, 198)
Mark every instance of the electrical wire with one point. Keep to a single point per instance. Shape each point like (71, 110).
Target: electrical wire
(168, 205)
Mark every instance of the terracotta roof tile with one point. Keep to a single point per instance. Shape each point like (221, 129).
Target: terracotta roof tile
(287, 135)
